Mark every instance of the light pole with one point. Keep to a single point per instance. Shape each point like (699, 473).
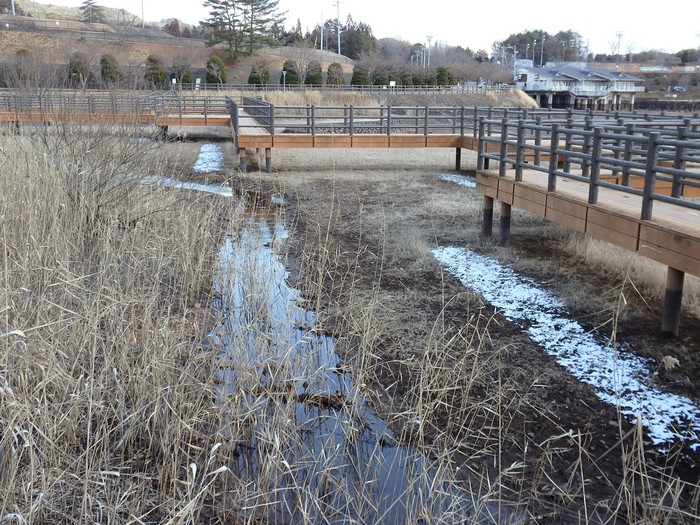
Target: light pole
(337, 22)
(430, 38)
(142, 20)
(542, 51)
(284, 80)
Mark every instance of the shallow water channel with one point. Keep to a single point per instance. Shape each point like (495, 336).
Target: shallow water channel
(314, 450)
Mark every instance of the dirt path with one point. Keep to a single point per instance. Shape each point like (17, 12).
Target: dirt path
(449, 372)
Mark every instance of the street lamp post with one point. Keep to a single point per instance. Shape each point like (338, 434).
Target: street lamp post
(337, 22)
(284, 80)
(430, 38)
(542, 51)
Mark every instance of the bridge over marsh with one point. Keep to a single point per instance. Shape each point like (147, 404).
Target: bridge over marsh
(627, 178)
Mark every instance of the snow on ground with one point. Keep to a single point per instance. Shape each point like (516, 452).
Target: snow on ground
(210, 159)
(462, 180)
(194, 186)
(618, 377)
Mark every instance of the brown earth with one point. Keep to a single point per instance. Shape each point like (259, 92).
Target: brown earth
(363, 222)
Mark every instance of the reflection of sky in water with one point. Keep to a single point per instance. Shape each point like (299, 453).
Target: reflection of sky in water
(210, 159)
(342, 453)
(619, 378)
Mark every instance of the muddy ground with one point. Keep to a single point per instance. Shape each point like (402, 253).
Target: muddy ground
(363, 222)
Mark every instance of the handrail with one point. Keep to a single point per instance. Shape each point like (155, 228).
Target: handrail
(588, 151)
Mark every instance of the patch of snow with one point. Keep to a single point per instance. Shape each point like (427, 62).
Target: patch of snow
(210, 159)
(194, 186)
(619, 378)
(462, 180)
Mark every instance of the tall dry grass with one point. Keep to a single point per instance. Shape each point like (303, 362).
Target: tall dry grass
(445, 382)
(106, 390)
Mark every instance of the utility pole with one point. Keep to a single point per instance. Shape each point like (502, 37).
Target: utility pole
(12, 7)
(619, 34)
(430, 38)
(337, 22)
(322, 24)
(542, 51)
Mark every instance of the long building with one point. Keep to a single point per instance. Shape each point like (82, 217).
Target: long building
(577, 86)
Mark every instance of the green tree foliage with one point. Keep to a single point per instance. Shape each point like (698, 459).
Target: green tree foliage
(259, 19)
(335, 76)
(216, 71)
(260, 73)
(688, 56)
(110, 71)
(444, 77)
(314, 74)
(173, 27)
(292, 77)
(6, 8)
(79, 68)
(225, 24)
(360, 76)
(356, 39)
(481, 56)
(243, 24)
(181, 70)
(155, 71)
(91, 12)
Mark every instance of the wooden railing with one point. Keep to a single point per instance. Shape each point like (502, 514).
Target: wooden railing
(634, 157)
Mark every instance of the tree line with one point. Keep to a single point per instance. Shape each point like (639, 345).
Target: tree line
(28, 70)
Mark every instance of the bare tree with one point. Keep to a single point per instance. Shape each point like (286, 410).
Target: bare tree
(125, 24)
(303, 54)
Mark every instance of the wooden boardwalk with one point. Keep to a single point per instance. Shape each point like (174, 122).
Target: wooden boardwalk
(626, 178)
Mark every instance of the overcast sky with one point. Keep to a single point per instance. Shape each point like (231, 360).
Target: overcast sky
(669, 27)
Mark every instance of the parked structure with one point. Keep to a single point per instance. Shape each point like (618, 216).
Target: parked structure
(577, 86)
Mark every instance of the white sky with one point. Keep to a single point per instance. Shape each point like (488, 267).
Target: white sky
(669, 27)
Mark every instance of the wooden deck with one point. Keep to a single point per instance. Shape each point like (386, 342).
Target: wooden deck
(671, 237)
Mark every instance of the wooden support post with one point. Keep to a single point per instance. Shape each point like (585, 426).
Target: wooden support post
(504, 232)
(487, 214)
(672, 302)
(268, 160)
(458, 158)
(242, 160)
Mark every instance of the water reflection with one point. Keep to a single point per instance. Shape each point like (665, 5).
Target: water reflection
(317, 452)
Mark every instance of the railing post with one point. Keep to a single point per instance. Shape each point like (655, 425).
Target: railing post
(461, 121)
(568, 142)
(475, 125)
(271, 110)
(650, 176)
(629, 144)
(553, 159)
(313, 119)
(504, 148)
(538, 142)
(520, 151)
(352, 121)
(679, 164)
(388, 120)
(594, 175)
(425, 122)
(587, 146)
(480, 161)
